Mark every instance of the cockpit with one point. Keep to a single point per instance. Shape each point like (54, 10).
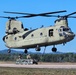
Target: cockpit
(64, 29)
(67, 29)
(66, 33)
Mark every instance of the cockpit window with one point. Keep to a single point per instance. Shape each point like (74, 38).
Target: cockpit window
(67, 29)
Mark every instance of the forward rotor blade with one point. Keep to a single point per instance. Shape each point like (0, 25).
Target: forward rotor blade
(70, 14)
(51, 15)
(67, 16)
(59, 16)
(52, 12)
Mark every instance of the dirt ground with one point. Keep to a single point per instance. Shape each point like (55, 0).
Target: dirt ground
(41, 63)
(65, 65)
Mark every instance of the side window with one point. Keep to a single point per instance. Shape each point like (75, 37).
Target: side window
(51, 32)
(60, 30)
(22, 26)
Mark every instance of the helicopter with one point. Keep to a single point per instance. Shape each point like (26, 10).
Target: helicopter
(18, 37)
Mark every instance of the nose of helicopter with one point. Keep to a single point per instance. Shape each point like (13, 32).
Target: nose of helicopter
(70, 36)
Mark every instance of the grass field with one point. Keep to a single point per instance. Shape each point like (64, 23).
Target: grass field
(29, 71)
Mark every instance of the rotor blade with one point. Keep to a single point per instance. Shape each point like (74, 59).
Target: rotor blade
(70, 14)
(51, 15)
(52, 12)
(4, 17)
(18, 13)
(59, 16)
(35, 14)
(25, 16)
(9, 17)
(67, 16)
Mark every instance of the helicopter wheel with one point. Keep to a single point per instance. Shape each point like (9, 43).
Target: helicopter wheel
(54, 49)
(25, 51)
(38, 48)
(9, 50)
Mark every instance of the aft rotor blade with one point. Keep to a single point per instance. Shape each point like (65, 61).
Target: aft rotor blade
(4, 17)
(9, 17)
(18, 13)
(25, 16)
(35, 14)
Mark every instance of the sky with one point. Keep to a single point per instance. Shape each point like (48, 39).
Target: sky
(39, 6)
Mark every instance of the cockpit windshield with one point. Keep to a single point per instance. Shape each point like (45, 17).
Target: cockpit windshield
(67, 29)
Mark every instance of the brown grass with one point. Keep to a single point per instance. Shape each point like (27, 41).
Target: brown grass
(29, 71)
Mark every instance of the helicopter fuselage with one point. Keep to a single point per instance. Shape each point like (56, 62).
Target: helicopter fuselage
(52, 35)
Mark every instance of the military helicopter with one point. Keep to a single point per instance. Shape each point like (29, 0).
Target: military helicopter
(19, 38)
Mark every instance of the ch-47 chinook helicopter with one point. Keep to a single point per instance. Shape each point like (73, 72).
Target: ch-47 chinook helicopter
(19, 38)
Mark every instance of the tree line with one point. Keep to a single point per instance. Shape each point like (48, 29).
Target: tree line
(65, 57)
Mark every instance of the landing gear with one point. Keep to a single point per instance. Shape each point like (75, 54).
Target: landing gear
(25, 51)
(9, 50)
(38, 48)
(54, 49)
